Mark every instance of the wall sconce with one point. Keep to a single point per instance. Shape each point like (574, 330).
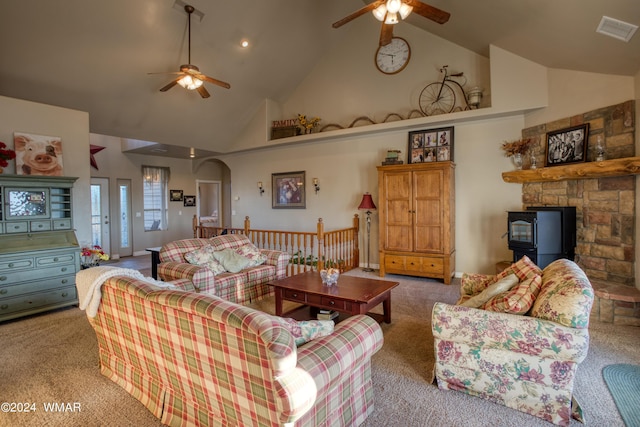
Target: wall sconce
(315, 184)
(260, 189)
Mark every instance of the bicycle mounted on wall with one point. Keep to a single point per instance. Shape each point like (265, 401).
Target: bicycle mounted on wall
(440, 97)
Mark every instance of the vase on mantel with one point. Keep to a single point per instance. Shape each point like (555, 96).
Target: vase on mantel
(517, 160)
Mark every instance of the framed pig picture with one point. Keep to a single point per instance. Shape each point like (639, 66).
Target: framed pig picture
(38, 154)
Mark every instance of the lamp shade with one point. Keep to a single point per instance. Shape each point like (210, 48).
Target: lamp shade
(367, 202)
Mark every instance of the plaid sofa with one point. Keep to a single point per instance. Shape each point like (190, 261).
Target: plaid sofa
(243, 287)
(527, 362)
(197, 360)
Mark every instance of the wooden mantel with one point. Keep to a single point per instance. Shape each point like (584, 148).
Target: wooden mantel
(614, 167)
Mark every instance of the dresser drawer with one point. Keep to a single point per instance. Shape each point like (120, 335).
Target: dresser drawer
(49, 260)
(40, 225)
(7, 278)
(9, 265)
(62, 224)
(33, 301)
(12, 291)
(17, 227)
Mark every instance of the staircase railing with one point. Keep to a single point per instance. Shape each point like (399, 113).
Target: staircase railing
(308, 250)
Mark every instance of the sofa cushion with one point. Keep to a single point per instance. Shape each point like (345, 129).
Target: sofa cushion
(566, 296)
(307, 330)
(228, 241)
(231, 260)
(518, 300)
(253, 253)
(499, 287)
(204, 257)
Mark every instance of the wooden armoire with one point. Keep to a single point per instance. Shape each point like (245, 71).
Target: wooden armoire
(417, 219)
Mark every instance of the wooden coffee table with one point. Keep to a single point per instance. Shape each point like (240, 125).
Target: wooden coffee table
(353, 295)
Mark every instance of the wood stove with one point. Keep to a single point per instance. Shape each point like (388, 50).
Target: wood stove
(543, 233)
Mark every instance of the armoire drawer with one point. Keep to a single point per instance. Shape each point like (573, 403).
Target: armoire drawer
(17, 227)
(40, 226)
(414, 264)
(49, 260)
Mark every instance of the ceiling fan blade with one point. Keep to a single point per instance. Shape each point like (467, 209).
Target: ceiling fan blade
(168, 72)
(214, 81)
(386, 34)
(358, 13)
(170, 85)
(429, 12)
(203, 92)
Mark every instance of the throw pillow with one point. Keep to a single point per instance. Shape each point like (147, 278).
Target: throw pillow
(204, 257)
(518, 300)
(524, 268)
(253, 253)
(231, 260)
(306, 330)
(499, 287)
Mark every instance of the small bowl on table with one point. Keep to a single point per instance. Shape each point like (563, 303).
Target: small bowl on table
(330, 276)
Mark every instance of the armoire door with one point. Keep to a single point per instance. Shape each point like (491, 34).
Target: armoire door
(428, 211)
(397, 197)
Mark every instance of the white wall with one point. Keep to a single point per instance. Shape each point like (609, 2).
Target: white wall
(114, 165)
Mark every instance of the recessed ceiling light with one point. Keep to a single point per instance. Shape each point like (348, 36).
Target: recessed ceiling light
(617, 29)
(244, 43)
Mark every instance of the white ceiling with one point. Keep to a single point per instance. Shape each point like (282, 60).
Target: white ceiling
(94, 56)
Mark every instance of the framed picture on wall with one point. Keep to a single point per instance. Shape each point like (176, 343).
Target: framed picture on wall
(175, 195)
(567, 145)
(288, 189)
(432, 145)
(189, 200)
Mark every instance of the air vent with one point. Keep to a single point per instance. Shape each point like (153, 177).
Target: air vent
(617, 29)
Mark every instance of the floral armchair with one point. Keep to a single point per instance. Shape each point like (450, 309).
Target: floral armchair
(525, 361)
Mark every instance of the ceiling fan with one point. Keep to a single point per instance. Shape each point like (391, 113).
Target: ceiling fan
(189, 76)
(387, 11)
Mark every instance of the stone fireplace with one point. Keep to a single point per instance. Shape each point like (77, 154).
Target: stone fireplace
(605, 209)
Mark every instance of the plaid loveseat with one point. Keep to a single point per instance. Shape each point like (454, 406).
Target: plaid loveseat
(243, 287)
(197, 360)
(528, 361)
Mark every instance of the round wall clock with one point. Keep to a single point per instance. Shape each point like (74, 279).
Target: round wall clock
(392, 58)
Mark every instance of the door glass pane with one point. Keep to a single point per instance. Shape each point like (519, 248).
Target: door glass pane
(124, 216)
(96, 223)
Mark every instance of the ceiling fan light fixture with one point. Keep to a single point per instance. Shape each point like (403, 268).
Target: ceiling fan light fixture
(380, 12)
(392, 18)
(405, 10)
(190, 82)
(393, 6)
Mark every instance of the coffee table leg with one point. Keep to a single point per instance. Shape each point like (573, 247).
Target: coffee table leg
(386, 308)
(278, 302)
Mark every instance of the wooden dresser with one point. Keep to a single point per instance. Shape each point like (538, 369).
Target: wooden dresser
(39, 252)
(417, 219)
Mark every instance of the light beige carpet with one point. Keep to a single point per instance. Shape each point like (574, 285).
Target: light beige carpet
(53, 358)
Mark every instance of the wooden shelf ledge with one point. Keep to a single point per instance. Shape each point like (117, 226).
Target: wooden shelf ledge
(605, 168)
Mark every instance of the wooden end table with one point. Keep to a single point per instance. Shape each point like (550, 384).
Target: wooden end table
(352, 295)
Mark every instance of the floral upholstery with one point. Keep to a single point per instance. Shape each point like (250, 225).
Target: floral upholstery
(196, 359)
(525, 362)
(245, 286)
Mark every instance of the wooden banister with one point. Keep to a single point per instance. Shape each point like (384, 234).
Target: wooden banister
(308, 250)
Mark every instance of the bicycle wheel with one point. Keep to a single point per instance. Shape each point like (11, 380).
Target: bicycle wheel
(432, 104)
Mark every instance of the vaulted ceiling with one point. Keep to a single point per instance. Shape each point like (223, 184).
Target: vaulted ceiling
(95, 56)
